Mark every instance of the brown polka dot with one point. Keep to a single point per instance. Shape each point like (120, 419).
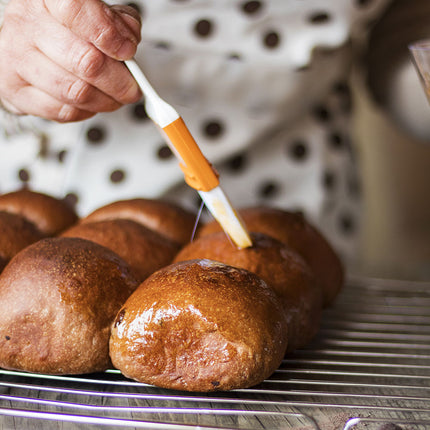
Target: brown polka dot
(234, 56)
(268, 189)
(62, 155)
(162, 45)
(251, 7)
(271, 39)
(319, 18)
(24, 175)
(363, 3)
(237, 163)
(322, 114)
(298, 150)
(43, 146)
(96, 135)
(164, 152)
(213, 129)
(203, 28)
(346, 224)
(139, 112)
(342, 88)
(71, 199)
(117, 176)
(343, 91)
(329, 180)
(336, 140)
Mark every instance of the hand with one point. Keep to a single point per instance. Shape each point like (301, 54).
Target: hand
(61, 59)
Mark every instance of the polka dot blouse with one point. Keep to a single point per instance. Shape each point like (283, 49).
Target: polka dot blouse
(263, 87)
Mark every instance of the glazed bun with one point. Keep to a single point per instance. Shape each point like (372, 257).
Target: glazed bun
(49, 214)
(3, 263)
(15, 234)
(144, 250)
(166, 218)
(293, 229)
(200, 326)
(280, 267)
(58, 299)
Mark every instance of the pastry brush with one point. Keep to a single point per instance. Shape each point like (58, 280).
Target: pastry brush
(199, 173)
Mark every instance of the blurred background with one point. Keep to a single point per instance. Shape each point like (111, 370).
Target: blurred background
(392, 128)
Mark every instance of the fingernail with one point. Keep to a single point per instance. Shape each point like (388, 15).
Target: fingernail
(127, 50)
(133, 24)
(128, 22)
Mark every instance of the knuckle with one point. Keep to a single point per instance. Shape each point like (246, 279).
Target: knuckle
(67, 11)
(78, 92)
(108, 37)
(90, 63)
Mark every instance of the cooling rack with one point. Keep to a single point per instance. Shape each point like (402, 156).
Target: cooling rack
(369, 368)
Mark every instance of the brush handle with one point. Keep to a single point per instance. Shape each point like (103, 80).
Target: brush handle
(199, 173)
(157, 109)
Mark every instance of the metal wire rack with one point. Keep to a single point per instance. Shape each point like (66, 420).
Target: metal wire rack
(369, 368)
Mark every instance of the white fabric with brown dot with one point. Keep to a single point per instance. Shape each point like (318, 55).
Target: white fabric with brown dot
(261, 84)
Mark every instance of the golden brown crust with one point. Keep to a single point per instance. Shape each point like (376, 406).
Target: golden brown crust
(49, 214)
(293, 229)
(280, 267)
(144, 250)
(200, 326)
(16, 232)
(58, 298)
(166, 218)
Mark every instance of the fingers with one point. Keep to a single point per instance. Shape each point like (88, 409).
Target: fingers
(75, 75)
(114, 31)
(32, 101)
(131, 17)
(86, 62)
(40, 72)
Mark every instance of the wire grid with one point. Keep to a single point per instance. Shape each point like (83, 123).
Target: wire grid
(368, 368)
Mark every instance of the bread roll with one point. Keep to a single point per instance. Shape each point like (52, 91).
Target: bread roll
(280, 267)
(49, 214)
(200, 326)
(144, 250)
(166, 218)
(15, 234)
(293, 229)
(3, 263)
(58, 299)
